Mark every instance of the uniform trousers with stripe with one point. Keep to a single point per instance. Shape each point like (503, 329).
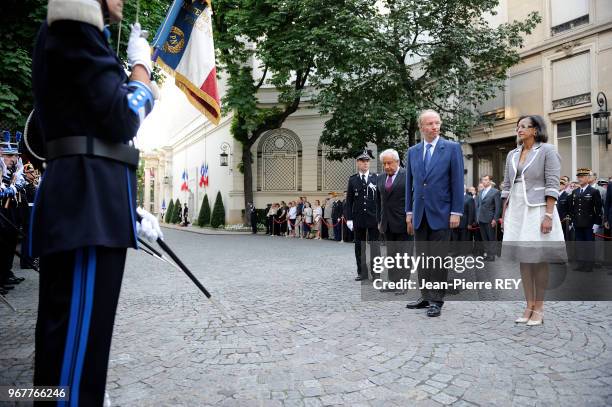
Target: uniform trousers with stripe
(78, 296)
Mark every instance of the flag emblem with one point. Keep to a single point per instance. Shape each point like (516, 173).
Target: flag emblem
(184, 47)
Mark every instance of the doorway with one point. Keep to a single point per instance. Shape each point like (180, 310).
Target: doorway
(490, 159)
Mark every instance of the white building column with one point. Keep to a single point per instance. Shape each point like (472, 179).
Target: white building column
(147, 188)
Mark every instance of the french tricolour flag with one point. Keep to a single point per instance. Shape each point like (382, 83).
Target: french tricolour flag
(184, 186)
(204, 175)
(184, 47)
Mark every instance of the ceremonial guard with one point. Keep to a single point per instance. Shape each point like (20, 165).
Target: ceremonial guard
(32, 178)
(360, 213)
(584, 208)
(562, 203)
(12, 193)
(85, 217)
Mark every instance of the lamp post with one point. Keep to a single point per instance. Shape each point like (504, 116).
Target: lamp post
(601, 125)
(224, 156)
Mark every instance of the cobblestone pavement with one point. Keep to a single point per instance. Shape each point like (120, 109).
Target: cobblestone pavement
(301, 336)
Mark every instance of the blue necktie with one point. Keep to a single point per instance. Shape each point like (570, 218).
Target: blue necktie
(427, 156)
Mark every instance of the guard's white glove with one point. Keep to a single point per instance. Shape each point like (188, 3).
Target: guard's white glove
(12, 187)
(139, 50)
(148, 227)
(349, 224)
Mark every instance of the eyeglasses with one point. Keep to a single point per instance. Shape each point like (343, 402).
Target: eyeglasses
(525, 127)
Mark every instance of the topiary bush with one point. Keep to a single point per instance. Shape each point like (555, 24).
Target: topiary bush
(178, 212)
(169, 212)
(204, 215)
(218, 215)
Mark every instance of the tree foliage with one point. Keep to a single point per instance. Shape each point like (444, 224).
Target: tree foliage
(204, 215)
(19, 23)
(410, 55)
(218, 215)
(295, 39)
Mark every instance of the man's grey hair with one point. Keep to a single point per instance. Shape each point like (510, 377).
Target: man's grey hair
(390, 152)
(424, 112)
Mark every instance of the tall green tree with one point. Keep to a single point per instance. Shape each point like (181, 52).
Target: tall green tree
(19, 23)
(294, 40)
(410, 55)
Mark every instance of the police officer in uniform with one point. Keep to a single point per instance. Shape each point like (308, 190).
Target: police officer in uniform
(12, 193)
(85, 216)
(31, 177)
(360, 213)
(562, 203)
(584, 208)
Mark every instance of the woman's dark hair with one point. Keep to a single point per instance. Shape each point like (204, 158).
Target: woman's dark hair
(539, 124)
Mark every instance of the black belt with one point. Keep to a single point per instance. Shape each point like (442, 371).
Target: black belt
(81, 145)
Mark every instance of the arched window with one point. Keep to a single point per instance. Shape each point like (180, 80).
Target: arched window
(279, 161)
(333, 175)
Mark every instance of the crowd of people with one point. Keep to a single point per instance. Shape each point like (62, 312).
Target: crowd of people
(303, 219)
(526, 216)
(17, 191)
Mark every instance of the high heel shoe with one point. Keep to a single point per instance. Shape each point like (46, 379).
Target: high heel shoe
(532, 322)
(523, 320)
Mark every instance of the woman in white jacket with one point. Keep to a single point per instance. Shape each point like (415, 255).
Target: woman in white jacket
(532, 228)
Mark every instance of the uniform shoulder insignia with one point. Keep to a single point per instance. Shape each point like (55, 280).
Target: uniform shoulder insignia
(354, 175)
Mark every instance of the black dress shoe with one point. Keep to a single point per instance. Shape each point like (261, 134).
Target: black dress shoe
(434, 310)
(360, 278)
(3, 291)
(418, 304)
(491, 258)
(14, 280)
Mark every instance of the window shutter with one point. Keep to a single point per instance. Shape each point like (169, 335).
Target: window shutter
(563, 11)
(571, 76)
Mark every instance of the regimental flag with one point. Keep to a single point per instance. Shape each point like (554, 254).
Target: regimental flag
(184, 186)
(204, 175)
(184, 47)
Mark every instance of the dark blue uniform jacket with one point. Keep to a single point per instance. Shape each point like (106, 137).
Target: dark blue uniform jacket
(80, 89)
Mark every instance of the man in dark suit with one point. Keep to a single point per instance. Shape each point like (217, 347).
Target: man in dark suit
(584, 207)
(489, 211)
(434, 201)
(462, 233)
(391, 210)
(252, 213)
(361, 201)
(185, 215)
